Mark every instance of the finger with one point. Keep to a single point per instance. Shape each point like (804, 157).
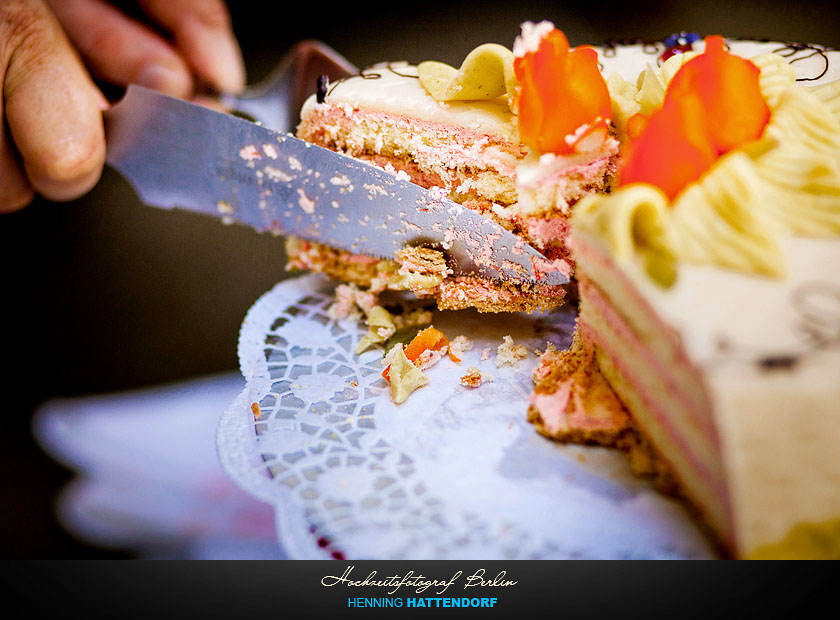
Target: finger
(121, 50)
(15, 191)
(52, 107)
(203, 33)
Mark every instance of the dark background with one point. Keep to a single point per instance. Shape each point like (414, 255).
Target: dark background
(105, 294)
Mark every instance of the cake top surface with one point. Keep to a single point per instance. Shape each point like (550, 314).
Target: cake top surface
(813, 63)
(394, 88)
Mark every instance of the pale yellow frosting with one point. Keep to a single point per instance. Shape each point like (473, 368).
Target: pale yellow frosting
(380, 328)
(405, 377)
(486, 73)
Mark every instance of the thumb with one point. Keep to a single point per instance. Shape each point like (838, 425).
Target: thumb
(52, 107)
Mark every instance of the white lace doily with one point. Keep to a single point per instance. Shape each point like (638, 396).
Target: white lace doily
(453, 472)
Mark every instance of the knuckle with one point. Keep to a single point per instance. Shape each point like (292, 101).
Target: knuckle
(22, 23)
(25, 32)
(19, 16)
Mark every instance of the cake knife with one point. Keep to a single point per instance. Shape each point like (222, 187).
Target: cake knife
(177, 154)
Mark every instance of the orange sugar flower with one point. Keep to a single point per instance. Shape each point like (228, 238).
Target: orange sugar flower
(674, 149)
(735, 109)
(562, 96)
(712, 105)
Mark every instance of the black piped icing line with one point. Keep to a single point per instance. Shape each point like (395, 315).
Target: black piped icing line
(793, 51)
(787, 49)
(817, 326)
(790, 49)
(325, 88)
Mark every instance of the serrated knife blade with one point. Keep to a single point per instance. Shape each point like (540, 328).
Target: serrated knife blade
(181, 155)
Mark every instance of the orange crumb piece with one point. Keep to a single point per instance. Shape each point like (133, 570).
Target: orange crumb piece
(429, 339)
(562, 97)
(255, 409)
(712, 105)
(472, 378)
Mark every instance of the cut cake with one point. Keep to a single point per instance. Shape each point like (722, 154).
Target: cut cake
(478, 133)
(710, 300)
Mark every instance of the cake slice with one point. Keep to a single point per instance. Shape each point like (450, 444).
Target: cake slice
(710, 297)
(493, 136)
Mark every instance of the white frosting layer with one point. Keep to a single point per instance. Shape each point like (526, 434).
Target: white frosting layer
(398, 91)
(770, 353)
(773, 315)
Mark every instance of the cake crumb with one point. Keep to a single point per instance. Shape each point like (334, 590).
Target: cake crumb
(429, 358)
(485, 354)
(404, 376)
(510, 353)
(458, 346)
(351, 302)
(474, 377)
(418, 316)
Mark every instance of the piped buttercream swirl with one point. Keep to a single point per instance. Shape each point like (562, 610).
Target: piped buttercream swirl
(787, 182)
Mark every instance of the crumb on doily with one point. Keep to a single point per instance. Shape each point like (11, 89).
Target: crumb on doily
(351, 302)
(510, 353)
(458, 346)
(429, 357)
(404, 376)
(474, 377)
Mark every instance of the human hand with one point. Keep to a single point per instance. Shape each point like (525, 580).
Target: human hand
(53, 141)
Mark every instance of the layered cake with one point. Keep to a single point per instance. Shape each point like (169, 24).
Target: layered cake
(519, 135)
(710, 293)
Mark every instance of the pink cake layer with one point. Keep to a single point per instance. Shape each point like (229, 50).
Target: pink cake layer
(572, 400)
(570, 181)
(467, 154)
(454, 293)
(662, 341)
(453, 147)
(655, 387)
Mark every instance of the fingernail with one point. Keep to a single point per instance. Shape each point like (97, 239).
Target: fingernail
(103, 102)
(164, 79)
